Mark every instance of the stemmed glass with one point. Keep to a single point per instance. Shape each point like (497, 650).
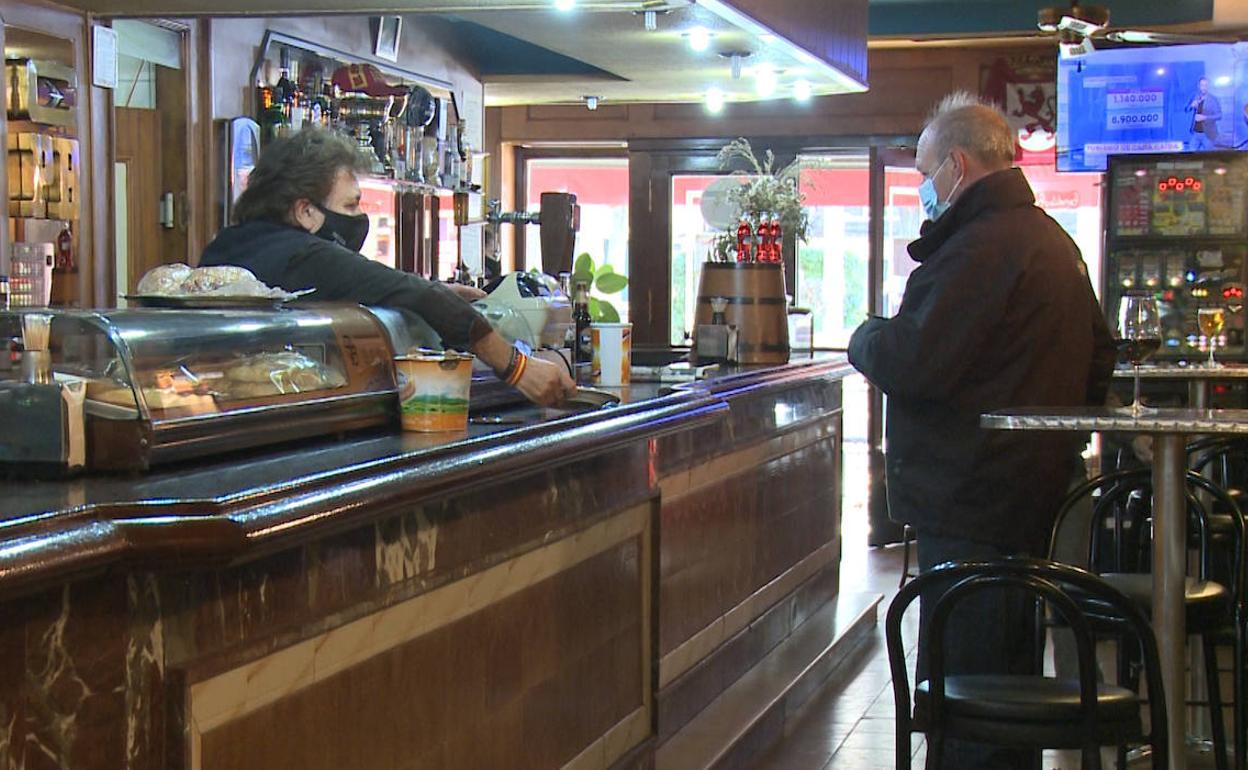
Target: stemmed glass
(1211, 319)
(1139, 332)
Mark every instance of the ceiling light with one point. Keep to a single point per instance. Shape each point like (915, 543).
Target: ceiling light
(699, 38)
(765, 81)
(652, 21)
(1222, 80)
(565, 5)
(802, 90)
(591, 102)
(1161, 70)
(714, 100)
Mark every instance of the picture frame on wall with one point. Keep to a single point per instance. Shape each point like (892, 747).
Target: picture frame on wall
(386, 30)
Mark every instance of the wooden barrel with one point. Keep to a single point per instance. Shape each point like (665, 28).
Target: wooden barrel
(756, 305)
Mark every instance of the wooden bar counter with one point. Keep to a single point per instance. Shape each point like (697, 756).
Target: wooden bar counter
(567, 594)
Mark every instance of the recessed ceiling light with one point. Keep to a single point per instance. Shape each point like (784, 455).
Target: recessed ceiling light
(802, 90)
(565, 5)
(765, 81)
(714, 100)
(699, 38)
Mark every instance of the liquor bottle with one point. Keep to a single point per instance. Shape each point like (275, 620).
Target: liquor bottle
(583, 344)
(271, 115)
(284, 92)
(743, 241)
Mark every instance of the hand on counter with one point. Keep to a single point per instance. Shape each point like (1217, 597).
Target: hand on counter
(542, 382)
(546, 383)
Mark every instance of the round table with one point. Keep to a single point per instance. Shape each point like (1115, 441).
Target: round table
(1197, 376)
(1169, 429)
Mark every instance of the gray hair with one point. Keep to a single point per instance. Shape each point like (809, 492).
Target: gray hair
(978, 127)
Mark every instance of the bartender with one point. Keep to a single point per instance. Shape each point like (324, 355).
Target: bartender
(298, 226)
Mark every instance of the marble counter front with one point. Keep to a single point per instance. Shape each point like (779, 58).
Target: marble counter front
(560, 595)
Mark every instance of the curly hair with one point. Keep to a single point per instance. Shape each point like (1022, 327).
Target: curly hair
(302, 166)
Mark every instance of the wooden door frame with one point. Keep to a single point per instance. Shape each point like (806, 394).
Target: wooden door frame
(523, 154)
(881, 158)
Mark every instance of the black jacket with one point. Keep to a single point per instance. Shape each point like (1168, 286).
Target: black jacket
(998, 314)
(294, 259)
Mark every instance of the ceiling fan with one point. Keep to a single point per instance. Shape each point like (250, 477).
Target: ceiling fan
(1081, 28)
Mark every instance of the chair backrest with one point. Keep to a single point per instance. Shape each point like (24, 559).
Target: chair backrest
(1115, 489)
(1047, 581)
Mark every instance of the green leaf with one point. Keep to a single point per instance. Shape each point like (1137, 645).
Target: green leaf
(606, 313)
(611, 283)
(604, 269)
(595, 309)
(584, 263)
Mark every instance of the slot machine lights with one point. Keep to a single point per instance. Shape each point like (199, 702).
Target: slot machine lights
(1177, 184)
(1233, 292)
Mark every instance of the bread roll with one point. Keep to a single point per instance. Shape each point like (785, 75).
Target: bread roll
(166, 280)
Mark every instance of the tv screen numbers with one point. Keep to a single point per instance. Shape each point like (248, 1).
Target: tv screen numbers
(1129, 99)
(1118, 120)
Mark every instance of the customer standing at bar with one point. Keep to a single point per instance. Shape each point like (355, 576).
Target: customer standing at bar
(998, 314)
(300, 226)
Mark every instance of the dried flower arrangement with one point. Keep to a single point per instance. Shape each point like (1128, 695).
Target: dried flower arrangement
(763, 191)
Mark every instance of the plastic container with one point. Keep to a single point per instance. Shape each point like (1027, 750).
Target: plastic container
(613, 353)
(433, 390)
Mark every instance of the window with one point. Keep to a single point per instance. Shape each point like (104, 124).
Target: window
(832, 265)
(692, 240)
(601, 189)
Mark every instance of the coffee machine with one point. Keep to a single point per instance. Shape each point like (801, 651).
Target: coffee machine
(538, 299)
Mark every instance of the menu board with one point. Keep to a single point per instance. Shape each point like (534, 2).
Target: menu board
(1180, 198)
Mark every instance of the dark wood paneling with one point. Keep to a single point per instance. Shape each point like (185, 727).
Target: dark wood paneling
(763, 521)
(172, 102)
(527, 683)
(833, 30)
(689, 694)
(138, 145)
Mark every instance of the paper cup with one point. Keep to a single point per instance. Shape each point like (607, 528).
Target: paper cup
(613, 353)
(433, 390)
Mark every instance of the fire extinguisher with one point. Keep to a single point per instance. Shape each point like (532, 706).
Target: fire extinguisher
(65, 250)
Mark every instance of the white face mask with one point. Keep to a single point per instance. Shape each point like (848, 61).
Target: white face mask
(933, 206)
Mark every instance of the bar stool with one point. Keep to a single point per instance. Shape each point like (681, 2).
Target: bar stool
(1213, 608)
(1034, 712)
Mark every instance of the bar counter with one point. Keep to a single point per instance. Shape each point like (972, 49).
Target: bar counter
(563, 594)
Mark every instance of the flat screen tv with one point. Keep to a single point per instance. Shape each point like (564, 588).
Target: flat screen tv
(1155, 99)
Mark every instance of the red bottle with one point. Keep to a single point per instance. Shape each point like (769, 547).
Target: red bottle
(743, 241)
(777, 241)
(764, 241)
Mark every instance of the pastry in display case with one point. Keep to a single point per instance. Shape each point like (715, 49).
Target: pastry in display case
(164, 385)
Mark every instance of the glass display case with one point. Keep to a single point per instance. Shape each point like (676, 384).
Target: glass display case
(164, 385)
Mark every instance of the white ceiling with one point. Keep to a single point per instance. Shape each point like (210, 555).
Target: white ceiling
(657, 66)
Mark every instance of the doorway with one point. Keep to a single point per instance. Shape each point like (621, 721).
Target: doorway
(150, 148)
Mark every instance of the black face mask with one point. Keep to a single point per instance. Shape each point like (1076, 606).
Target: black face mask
(345, 230)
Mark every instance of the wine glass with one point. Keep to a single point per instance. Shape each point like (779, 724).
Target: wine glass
(1211, 319)
(1139, 332)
